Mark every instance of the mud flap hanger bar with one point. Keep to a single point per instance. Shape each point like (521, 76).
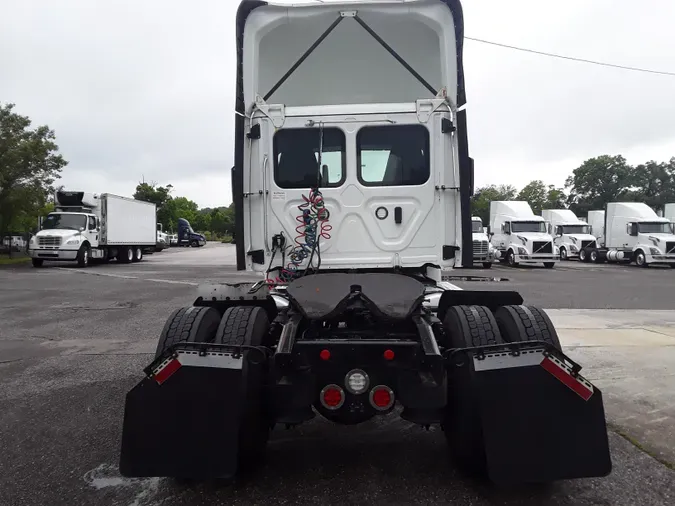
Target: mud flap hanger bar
(236, 350)
(513, 349)
(350, 14)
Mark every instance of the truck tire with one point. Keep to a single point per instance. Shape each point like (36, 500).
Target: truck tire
(138, 254)
(249, 325)
(487, 265)
(194, 244)
(563, 254)
(37, 262)
(526, 323)
(188, 325)
(467, 326)
(593, 256)
(549, 265)
(640, 258)
(511, 258)
(582, 255)
(125, 255)
(83, 256)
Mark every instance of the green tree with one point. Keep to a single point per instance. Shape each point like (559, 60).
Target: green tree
(599, 180)
(541, 196)
(480, 202)
(654, 183)
(29, 165)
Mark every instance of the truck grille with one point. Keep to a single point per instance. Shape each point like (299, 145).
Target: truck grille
(480, 247)
(542, 247)
(49, 241)
(670, 247)
(586, 244)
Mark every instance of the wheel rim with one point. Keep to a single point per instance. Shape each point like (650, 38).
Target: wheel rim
(563, 254)
(139, 254)
(640, 259)
(85, 256)
(582, 255)
(130, 254)
(512, 259)
(594, 256)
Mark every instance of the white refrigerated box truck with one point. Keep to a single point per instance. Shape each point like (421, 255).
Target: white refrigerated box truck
(89, 226)
(570, 234)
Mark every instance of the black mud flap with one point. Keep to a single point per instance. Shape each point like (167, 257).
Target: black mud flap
(540, 422)
(183, 421)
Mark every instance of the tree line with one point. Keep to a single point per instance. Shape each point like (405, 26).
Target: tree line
(592, 185)
(216, 223)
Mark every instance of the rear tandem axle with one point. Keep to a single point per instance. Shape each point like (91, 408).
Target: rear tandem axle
(512, 406)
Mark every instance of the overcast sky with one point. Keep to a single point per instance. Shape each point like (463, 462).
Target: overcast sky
(145, 88)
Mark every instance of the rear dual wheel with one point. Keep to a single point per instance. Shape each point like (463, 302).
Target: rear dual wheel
(240, 325)
(472, 326)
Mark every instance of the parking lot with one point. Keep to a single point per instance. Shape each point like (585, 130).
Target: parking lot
(74, 341)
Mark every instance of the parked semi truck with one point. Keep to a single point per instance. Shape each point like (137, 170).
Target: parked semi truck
(350, 317)
(89, 226)
(483, 251)
(187, 236)
(570, 234)
(519, 235)
(633, 232)
(162, 238)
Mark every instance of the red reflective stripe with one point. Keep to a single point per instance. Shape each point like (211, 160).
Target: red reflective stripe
(162, 375)
(567, 379)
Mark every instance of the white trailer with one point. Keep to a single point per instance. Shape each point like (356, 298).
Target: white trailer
(596, 220)
(86, 226)
(483, 251)
(519, 235)
(570, 234)
(669, 214)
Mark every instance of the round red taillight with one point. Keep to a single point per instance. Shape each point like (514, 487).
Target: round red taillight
(382, 397)
(388, 355)
(332, 397)
(325, 354)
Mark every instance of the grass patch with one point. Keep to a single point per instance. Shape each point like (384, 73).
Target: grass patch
(5, 260)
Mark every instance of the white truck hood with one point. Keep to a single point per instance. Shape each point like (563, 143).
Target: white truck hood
(58, 232)
(581, 237)
(532, 236)
(660, 238)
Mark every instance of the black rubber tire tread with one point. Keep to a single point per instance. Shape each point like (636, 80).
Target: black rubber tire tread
(549, 265)
(188, 325)
(80, 256)
(477, 324)
(249, 325)
(37, 262)
(487, 265)
(467, 326)
(526, 323)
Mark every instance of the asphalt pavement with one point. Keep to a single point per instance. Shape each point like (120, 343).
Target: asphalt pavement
(74, 341)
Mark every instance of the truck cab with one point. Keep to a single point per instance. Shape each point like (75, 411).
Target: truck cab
(596, 220)
(570, 234)
(73, 224)
(520, 235)
(483, 251)
(187, 236)
(669, 214)
(643, 236)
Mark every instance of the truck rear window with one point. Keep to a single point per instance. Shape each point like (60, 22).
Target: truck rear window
(296, 156)
(393, 155)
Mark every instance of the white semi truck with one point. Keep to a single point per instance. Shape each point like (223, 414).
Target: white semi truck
(350, 317)
(89, 226)
(570, 234)
(519, 235)
(633, 232)
(483, 251)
